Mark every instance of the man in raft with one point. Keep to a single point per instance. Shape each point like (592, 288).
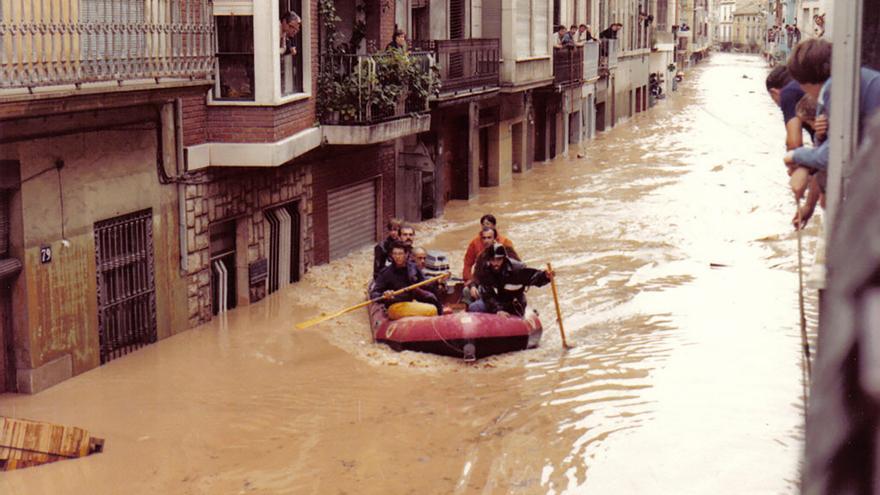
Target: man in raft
(502, 283)
(400, 274)
(488, 237)
(382, 251)
(476, 246)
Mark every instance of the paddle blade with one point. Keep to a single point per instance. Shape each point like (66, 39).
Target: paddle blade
(314, 321)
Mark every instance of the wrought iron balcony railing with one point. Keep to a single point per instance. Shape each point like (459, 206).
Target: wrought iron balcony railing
(63, 42)
(369, 89)
(464, 65)
(568, 65)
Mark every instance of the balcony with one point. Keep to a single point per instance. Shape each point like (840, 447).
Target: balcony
(568, 65)
(591, 61)
(662, 41)
(465, 66)
(366, 99)
(608, 52)
(119, 41)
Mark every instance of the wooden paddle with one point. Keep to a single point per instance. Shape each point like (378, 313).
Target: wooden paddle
(556, 301)
(325, 316)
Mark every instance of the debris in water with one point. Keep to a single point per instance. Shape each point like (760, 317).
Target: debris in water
(25, 443)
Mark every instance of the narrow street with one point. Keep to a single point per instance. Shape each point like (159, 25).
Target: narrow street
(677, 270)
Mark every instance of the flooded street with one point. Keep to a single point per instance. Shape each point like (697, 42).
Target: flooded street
(677, 270)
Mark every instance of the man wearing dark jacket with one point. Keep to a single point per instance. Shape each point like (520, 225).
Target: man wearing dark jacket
(611, 32)
(382, 251)
(502, 284)
(399, 275)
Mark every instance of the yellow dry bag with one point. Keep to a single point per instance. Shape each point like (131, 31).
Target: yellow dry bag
(412, 308)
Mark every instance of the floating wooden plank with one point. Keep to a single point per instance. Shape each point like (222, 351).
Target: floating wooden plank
(25, 443)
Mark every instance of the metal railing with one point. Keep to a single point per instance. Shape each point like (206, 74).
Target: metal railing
(55, 42)
(367, 89)
(608, 51)
(591, 60)
(465, 65)
(568, 65)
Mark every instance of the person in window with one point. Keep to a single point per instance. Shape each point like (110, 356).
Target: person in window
(398, 42)
(290, 26)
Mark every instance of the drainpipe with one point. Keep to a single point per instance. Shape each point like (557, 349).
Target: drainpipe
(180, 167)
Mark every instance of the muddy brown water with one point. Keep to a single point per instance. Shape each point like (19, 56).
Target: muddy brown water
(685, 378)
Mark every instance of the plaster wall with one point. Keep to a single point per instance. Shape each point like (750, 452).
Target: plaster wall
(105, 174)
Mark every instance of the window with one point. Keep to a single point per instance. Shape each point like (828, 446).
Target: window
(291, 68)
(235, 58)
(251, 66)
(662, 12)
(532, 17)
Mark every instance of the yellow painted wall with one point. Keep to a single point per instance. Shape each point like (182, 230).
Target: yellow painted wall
(105, 174)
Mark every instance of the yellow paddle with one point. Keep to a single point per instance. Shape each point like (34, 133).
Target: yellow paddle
(325, 317)
(556, 301)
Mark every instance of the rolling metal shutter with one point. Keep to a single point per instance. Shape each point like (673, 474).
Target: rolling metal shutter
(352, 218)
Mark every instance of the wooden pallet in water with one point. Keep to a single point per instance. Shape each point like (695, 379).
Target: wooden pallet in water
(25, 443)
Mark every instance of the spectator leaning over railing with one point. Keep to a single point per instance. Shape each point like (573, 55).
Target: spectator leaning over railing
(611, 32)
(810, 66)
(584, 35)
(563, 37)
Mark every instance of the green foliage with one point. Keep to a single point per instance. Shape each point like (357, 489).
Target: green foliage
(347, 87)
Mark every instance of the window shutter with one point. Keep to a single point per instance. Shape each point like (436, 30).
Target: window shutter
(456, 19)
(523, 28)
(492, 19)
(542, 28)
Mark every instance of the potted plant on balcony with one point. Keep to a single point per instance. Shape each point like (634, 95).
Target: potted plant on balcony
(384, 85)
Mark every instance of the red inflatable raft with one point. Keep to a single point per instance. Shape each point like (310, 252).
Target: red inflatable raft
(465, 335)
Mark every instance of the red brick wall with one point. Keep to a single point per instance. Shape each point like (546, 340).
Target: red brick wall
(294, 118)
(349, 166)
(253, 124)
(380, 23)
(195, 120)
(230, 124)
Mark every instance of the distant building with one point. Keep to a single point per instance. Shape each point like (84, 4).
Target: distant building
(749, 27)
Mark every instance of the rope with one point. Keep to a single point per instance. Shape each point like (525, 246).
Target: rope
(805, 342)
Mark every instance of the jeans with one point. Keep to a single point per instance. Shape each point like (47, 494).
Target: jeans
(478, 306)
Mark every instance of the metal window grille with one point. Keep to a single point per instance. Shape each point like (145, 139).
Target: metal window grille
(284, 239)
(126, 285)
(223, 266)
